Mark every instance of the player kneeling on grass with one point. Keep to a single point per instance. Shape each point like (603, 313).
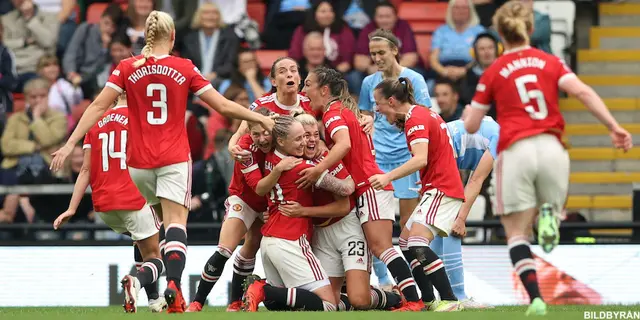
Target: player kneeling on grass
(118, 202)
(296, 278)
(243, 216)
(432, 153)
(339, 242)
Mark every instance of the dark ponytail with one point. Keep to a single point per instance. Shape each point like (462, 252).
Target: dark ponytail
(400, 89)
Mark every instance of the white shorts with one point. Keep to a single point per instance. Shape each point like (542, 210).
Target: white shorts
(529, 173)
(140, 224)
(172, 182)
(436, 211)
(342, 246)
(375, 205)
(236, 208)
(292, 264)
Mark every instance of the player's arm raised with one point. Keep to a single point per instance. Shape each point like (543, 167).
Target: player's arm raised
(78, 191)
(420, 153)
(342, 145)
(586, 95)
(338, 208)
(341, 187)
(231, 109)
(94, 112)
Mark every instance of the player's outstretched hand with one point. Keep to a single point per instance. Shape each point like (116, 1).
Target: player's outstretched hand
(268, 123)
(287, 164)
(60, 156)
(379, 181)
(309, 177)
(621, 138)
(292, 209)
(62, 219)
(239, 154)
(367, 123)
(459, 230)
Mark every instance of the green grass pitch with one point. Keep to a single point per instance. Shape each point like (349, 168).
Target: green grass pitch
(108, 313)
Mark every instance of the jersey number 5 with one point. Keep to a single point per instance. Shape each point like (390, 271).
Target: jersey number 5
(527, 95)
(161, 104)
(108, 149)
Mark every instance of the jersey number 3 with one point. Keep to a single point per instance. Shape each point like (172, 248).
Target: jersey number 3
(527, 95)
(161, 104)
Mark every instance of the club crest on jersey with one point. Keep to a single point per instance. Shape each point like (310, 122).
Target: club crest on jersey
(237, 207)
(331, 120)
(415, 128)
(247, 163)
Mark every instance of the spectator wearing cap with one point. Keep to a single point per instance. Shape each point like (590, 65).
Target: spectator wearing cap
(29, 33)
(486, 49)
(212, 45)
(386, 17)
(452, 42)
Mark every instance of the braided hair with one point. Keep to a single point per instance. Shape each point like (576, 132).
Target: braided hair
(158, 27)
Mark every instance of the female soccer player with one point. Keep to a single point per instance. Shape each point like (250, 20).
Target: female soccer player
(243, 217)
(328, 91)
(532, 169)
(158, 86)
(296, 278)
(430, 144)
(339, 241)
(389, 141)
(118, 203)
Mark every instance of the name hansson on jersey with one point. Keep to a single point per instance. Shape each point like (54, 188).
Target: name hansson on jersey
(113, 117)
(517, 64)
(415, 128)
(156, 69)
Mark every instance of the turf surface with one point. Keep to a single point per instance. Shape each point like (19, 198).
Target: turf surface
(209, 313)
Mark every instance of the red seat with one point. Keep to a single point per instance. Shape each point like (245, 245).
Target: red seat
(257, 11)
(94, 12)
(18, 105)
(423, 11)
(267, 57)
(422, 27)
(424, 47)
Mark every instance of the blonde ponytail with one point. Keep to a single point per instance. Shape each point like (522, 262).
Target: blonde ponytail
(514, 22)
(158, 27)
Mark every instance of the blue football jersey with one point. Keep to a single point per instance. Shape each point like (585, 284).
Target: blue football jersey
(469, 148)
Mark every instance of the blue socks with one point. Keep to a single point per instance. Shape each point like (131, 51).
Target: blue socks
(449, 249)
(381, 272)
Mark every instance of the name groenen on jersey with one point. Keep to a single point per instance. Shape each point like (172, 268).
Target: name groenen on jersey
(113, 117)
(156, 69)
(517, 64)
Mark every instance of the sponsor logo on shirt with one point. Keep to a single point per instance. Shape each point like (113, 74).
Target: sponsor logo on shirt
(331, 120)
(116, 72)
(415, 128)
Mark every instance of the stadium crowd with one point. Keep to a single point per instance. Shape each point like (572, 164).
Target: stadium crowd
(52, 65)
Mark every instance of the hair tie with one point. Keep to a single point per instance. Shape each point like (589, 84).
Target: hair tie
(383, 38)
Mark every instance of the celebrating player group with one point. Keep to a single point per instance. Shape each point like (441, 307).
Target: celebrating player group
(307, 190)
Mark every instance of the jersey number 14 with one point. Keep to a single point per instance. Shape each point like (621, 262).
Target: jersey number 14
(108, 149)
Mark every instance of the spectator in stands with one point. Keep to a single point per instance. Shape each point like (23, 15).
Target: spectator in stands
(246, 74)
(541, 37)
(212, 45)
(339, 43)
(447, 96)
(452, 41)
(30, 33)
(137, 14)
(7, 80)
(88, 51)
(217, 122)
(485, 9)
(232, 11)
(386, 17)
(119, 49)
(283, 17)
(182, 12)
(66, 14)
(486, 49)
(63, 96)
(29, 139)
(313, 54)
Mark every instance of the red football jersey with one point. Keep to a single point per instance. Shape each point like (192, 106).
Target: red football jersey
(157, 94)
(270, 101)
(360, 160)
(523, 83)
(111, 185)
(278, 225)
(441, 172)
(247, 174)
(323, 197)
